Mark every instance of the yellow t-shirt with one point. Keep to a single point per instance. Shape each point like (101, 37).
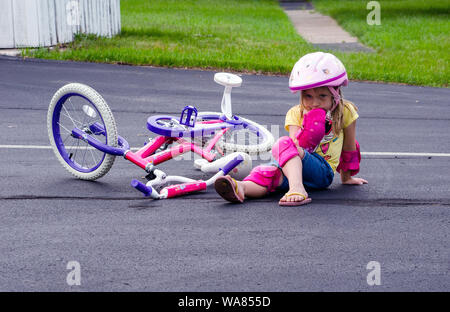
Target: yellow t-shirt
(331, 149)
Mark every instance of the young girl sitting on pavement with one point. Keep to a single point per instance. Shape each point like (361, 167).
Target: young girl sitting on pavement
(321, 141)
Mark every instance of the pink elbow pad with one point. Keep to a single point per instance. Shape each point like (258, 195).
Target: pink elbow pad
(283, 150)
(267, 176)
(350, 160)
(313, 129)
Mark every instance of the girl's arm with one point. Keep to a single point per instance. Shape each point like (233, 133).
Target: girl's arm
(293, 135)
(350, 145)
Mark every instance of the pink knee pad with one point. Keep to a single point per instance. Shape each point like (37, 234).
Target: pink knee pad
(313, 129)
(267, 176)
(284, 149)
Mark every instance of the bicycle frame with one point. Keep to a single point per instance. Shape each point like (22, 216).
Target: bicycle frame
(146, 157)
(168, 129)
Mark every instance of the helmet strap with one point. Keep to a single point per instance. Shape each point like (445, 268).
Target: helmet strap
(336, 96)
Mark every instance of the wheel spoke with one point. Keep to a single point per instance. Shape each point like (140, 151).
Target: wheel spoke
(73, 108)
(71, 148)
(84, 155)
(73, 120)
(68, 115)
(79, 120)
(76, 150)
(68, 136)
(165, 123)
(92, 154)
(68, 131)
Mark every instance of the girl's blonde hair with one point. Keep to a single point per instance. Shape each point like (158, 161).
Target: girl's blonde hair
(337, 115)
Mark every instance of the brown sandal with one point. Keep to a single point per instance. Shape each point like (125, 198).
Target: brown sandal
(227, 187)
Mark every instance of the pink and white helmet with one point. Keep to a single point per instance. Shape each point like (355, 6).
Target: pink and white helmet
(318, 69)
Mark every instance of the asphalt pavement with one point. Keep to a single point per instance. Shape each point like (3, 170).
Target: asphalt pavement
(124, 242)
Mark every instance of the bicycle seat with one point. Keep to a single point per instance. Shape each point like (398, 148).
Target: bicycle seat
(228, 80)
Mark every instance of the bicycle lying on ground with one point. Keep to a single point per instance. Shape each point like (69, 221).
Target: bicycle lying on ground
(83, 135)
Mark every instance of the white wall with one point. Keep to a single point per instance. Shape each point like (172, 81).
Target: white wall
(33, 23)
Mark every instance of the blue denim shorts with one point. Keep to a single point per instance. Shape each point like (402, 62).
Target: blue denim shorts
(317, 173)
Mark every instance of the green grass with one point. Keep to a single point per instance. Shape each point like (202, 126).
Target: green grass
(411, 44)
(412, 41)
(233, 34)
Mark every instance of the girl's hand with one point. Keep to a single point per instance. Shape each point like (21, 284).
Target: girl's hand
(354, 181)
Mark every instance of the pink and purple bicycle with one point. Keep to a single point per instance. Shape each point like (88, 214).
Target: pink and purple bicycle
(84, 137)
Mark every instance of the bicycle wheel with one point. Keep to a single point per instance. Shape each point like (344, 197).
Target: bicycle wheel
(78, 105)
(252, 139)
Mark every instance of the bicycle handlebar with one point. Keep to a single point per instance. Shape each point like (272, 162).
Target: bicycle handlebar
(142, 188)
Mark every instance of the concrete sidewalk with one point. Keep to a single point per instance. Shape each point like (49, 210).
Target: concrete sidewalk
(10, 52)
(320, 30)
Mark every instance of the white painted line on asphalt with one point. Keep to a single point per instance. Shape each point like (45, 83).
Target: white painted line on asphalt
(137, 148)
(48, 147)
(26, 146)
(406, 154)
